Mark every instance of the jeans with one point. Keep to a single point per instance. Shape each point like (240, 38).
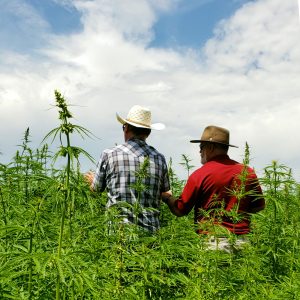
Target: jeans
(226, 244)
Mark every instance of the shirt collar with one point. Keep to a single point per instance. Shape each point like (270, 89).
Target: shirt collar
(219, 157)
(137, 141)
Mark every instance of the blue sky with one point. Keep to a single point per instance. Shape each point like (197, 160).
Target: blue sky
(192, 23)
(61, 19)
(188, 24)
(231, 63)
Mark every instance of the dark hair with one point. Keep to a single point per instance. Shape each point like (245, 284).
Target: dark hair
(139, 131)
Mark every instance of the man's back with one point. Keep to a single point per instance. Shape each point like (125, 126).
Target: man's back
(217, 184)
(119, 170)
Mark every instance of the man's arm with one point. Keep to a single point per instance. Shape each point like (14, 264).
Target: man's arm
(257, 209)
(171, 202)
(258, 201)
(258, 204)
(97, 179)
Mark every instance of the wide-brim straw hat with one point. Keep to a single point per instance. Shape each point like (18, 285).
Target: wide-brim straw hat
(215, 134)
(139, 116)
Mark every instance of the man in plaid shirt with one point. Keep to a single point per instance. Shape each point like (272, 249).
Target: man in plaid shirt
(123, 169)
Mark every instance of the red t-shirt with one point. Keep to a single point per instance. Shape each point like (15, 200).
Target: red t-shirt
(213, 191)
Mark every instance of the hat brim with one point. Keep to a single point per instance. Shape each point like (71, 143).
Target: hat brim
(202, 141)
(155, 126)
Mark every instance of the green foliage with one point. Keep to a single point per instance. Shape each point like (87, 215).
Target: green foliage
(186, 164)
(57, 239)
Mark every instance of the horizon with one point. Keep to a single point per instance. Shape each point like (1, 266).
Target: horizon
(231, 63)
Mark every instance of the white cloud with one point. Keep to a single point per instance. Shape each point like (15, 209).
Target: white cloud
(299, 8)
(245, 79)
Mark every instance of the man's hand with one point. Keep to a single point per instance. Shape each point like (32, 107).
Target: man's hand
(89, 177)
(166, 195)
(171, 202)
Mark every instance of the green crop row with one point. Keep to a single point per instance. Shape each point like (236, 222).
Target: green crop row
(58, 241)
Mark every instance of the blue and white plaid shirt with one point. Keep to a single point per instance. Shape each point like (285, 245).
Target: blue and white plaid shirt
(116, 171)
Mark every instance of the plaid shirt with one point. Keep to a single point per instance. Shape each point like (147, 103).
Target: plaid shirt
(117, 171)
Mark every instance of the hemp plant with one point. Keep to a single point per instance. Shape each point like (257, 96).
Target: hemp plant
(186, 164)
(71, 153)
(140, 186)
(238, 190)
(22, 196)
(176, 184)
(281, 204)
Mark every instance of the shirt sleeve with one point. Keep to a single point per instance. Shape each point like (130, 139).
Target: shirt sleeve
(166, 180)
(188, 197)
(99, 182)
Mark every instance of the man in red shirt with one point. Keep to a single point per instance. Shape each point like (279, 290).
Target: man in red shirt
(223, 192)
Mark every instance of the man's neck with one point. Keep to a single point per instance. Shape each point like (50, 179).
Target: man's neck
(135, 137)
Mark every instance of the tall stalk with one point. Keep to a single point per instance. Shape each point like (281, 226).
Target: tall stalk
(186, 164)
(26, 160)
(71, 153)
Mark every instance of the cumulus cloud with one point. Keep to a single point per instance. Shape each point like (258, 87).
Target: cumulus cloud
(244, 78)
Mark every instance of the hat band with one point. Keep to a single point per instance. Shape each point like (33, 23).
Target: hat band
(139, 123)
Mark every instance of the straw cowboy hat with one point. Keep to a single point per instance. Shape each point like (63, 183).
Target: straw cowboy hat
(215, 134)
(139, 116)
